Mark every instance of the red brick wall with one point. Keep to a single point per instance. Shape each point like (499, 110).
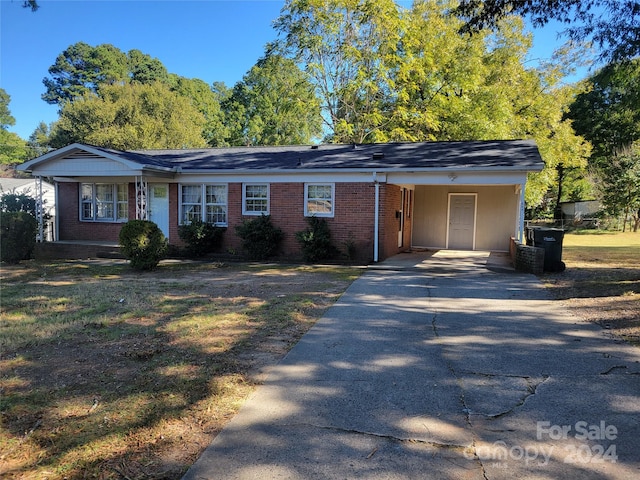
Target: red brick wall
(390, 203)
(70, 226)
(353, 220)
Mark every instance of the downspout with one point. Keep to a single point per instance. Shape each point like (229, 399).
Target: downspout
(376, 222)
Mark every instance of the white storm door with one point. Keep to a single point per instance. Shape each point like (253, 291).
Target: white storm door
(462, 221)
(159, 206)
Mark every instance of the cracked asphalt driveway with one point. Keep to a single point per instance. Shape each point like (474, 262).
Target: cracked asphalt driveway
(435, 367)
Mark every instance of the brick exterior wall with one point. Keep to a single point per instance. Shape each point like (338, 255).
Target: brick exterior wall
(390, 207)
(353, 220)
(70, 226)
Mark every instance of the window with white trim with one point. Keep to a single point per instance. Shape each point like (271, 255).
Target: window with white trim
(255, 199)
(319, 199)
(104, 202)
(207, 203)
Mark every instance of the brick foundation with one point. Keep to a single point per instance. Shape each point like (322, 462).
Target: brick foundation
(526, 258)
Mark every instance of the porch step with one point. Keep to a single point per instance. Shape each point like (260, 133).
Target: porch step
(76, 250)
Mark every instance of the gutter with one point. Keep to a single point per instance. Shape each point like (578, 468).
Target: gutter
(376, 221)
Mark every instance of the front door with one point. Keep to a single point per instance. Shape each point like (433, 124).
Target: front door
(462, 221)
(159, 206)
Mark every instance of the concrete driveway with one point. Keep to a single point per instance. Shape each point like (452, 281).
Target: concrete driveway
(438, 367)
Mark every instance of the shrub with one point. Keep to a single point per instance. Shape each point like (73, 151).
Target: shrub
(260, 238)
(316, 240)
(14, 202)
(143, 244)
(201, 237)
(17, 236)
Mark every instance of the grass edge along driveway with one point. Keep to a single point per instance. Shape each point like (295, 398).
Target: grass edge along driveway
(110, 373)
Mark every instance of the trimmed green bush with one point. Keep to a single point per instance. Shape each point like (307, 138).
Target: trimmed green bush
(143, 244)
(260, 238)
(201, 237)
(316, 240)
(17, 236)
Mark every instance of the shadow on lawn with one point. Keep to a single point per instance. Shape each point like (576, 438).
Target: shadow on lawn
(129, 393)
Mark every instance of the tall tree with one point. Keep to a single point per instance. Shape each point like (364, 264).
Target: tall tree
(129, 117)
(349, 48)
(207, 100)
(39, 141)
(12, 147)
(274, 104)
(607, 113)
(620, 185)
(82, 68)
(143, 68)
(614, 25)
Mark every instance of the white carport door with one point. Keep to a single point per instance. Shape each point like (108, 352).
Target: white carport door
(462, 221)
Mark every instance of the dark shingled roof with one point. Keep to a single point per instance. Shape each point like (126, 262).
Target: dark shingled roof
(511, 154)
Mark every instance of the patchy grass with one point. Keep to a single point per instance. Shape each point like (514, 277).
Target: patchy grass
(110, 373)
(602, 280)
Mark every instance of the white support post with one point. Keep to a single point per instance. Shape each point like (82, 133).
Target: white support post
(520, 222)
(39, 210)
(141, 198)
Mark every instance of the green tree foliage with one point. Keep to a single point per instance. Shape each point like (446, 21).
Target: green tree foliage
(614, 25)
(620, 185)
(384, 73)
(12, 148)
(38, 142)
(349, 48)
(145, 69)
(81, 69)
(274, 104)
(607, 113)
(131, 116)
(207, 100)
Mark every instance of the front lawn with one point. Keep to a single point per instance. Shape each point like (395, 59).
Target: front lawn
(602, 280)
(110, 373)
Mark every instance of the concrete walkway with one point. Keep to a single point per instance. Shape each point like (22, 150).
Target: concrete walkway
(437, 367)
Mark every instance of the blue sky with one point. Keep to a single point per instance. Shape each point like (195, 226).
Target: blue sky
(214, 40)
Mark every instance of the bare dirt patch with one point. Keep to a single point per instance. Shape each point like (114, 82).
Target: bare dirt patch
(108, 373)
(602, 285)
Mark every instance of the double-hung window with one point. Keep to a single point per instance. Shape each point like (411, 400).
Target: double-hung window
(104, 202)
(255, 199)
(319, 199)
(207, 203)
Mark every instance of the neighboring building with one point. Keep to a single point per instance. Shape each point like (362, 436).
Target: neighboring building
(30, 187)
(577, 211)
(385, 198)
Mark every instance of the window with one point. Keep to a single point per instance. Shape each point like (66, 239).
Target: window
(104, 202)
(318, 199)
(255, 199)
(203, 202)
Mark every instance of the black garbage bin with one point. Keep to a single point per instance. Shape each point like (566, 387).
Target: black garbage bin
(551, 240)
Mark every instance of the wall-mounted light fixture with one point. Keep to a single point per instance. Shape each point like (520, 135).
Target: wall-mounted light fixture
(452, 176)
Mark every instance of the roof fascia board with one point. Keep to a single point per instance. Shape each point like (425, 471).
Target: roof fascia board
(367, 170)
(62, 152)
